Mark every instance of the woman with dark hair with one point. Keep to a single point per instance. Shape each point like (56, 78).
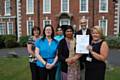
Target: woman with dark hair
(66, 51)
(59, 36)
(46, 53)
(31, 50)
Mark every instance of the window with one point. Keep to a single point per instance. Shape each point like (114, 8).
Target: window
(83, 6)
(7, 7)
(30, 25)
(64, 22)
(46, 22)
(2, 29)
(30, 6)
(103, 24)
(65, 6)
(10, 28)
(46, 6)
(103, 5)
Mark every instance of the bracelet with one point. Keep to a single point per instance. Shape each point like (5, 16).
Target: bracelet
(45, 63)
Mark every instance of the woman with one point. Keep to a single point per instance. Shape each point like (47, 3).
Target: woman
(46, 53)
(31, 51)
(66, 50)
(95, 67)
(59, 36)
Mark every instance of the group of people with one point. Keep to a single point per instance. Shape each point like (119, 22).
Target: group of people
(53, 57)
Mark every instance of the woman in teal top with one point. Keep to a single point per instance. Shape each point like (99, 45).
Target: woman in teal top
(59, 36)
(46, 53)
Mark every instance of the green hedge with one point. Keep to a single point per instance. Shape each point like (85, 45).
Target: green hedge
(113, 42)
(8, 41)
(2, 38)
(23, 41)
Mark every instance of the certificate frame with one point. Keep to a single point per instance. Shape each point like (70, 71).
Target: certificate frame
(82, 41)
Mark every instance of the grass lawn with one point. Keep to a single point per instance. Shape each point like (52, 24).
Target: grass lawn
(18, 69)
(14, 69)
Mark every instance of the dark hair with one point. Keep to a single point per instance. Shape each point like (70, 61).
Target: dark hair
(52, 35)
(36, 28)
(68, 27)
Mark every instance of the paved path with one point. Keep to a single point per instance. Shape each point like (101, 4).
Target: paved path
(114, 54)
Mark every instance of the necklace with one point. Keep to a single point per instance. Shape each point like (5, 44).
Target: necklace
(96, 41)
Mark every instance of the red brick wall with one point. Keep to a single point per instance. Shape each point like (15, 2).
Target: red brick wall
(13, 13)
(74, 9)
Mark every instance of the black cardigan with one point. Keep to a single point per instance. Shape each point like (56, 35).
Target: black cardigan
(63, 53)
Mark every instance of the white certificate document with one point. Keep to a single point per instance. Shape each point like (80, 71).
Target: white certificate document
(82, 41)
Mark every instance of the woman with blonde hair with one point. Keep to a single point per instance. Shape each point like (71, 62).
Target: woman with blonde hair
(95, 66)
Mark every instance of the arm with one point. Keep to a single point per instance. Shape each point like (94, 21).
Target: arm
(103, 52)
(61, 51)
(39, 57)
(55, 59)
(29, 48)
(73, 59)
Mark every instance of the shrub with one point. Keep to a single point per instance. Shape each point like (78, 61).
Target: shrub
(113, 42)
(23, 40)
(2, 38)
(10, 41)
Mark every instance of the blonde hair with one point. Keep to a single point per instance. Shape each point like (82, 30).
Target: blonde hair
(99, 30)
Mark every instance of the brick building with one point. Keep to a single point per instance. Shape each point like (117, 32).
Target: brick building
(19, 16)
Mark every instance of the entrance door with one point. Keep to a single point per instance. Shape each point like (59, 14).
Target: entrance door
(64, 22)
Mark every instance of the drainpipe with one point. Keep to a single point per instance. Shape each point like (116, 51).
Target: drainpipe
(119, 15)
(93, 14)
(38, 12)
(17, 11)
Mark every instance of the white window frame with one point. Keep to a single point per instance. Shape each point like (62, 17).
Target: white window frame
(4, 32)
(28, 27)
(6, 11)
(106, 27)
(8, 26)
(44, 3)
(86, 7)
(67, 7)
(102, 11)
(44, 22)
(64, 20)
(27, 8)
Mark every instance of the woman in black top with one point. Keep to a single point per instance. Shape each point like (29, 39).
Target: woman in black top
(31, 51)
(95, 65)
(66, 51)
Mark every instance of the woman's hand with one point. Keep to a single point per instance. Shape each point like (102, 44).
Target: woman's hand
(49, 66)
(70, 60)
(89, 47)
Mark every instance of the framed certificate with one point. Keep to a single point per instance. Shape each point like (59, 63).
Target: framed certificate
(82, 41)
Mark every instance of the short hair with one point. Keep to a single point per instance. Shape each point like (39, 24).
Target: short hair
(58, 28)
(98, 29)
(83, 20)
(36, 28)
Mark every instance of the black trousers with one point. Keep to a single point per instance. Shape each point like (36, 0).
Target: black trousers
(34, 71)
(46, 73)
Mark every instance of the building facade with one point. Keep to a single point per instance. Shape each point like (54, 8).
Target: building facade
(8, 17)
(25, 14)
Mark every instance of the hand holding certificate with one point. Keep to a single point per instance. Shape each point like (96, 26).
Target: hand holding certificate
(82, 41)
